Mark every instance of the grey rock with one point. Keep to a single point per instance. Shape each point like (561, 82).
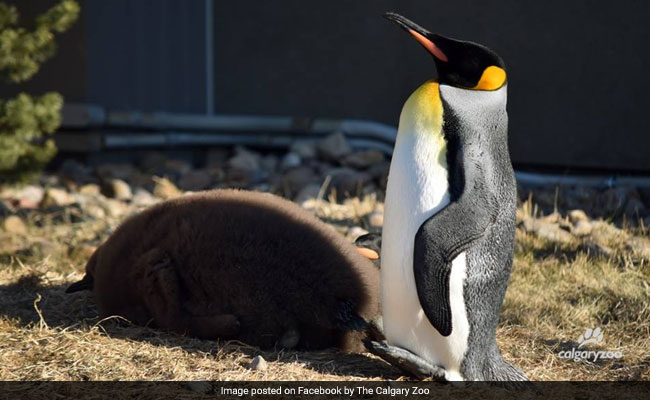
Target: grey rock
(76, 172)
(244, 168)
(195, 180)
(177, 168)
(603, 235)
(318, 166)
(605, 232)
(640, 246)
(143, 198)
(117, 189)
(165, 189)
(577, 215)
(298, 178)
(305, 149)
(363, 159)
(95, 211)
(528, 223)
(290, 160)
(90, 189)
(376, 219)
(582, 228)
(258, 364)
(154, 162)
(546, 230)
(308, 192)
(15, 225)
(334, 147)
(121, 190)
(216, 157)
(141, 179)
(216, 174)
(379, 170)
(269, 163)
(33, 194)
(244, 160)
(597, 249)
(56, 197)
(552, 218)
(552, 232)
(121, 171)
(114, 208)
(347, 181)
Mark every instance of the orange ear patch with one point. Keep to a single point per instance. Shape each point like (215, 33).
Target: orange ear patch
(493, 78)
(368, 253)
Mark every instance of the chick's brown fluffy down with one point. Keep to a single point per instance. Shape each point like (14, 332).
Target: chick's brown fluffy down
(236, 265)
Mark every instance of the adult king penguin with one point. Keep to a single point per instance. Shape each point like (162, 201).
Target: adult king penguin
(449, 220)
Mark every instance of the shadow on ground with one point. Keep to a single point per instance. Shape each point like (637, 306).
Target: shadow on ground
(28, 301)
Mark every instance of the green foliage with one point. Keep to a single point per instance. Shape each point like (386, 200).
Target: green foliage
(23, 51)
(24, 120)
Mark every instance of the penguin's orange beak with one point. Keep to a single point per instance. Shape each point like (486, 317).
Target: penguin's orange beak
(368, 253)
(419, 33)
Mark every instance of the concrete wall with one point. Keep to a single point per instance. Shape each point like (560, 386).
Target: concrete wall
(577, 70)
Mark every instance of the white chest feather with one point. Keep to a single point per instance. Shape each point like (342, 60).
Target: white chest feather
(417, 189)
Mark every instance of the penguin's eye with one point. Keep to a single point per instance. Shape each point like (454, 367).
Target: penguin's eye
(493, 78)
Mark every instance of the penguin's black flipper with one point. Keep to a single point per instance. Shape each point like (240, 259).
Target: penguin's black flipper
(406, 361)
(447, 234)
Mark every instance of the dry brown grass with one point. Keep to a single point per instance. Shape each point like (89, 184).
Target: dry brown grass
(556, 291)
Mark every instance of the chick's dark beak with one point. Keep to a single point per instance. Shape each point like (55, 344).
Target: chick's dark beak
(423, 36)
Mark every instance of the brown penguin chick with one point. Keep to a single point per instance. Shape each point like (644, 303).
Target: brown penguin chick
(236, 265)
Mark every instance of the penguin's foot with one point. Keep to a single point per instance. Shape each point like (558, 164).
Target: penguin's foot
(406, 361)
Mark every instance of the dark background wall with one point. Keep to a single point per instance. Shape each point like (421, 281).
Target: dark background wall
(577, 70)
(146, 55)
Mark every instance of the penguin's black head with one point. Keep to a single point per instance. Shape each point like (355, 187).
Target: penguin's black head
(461, 64)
